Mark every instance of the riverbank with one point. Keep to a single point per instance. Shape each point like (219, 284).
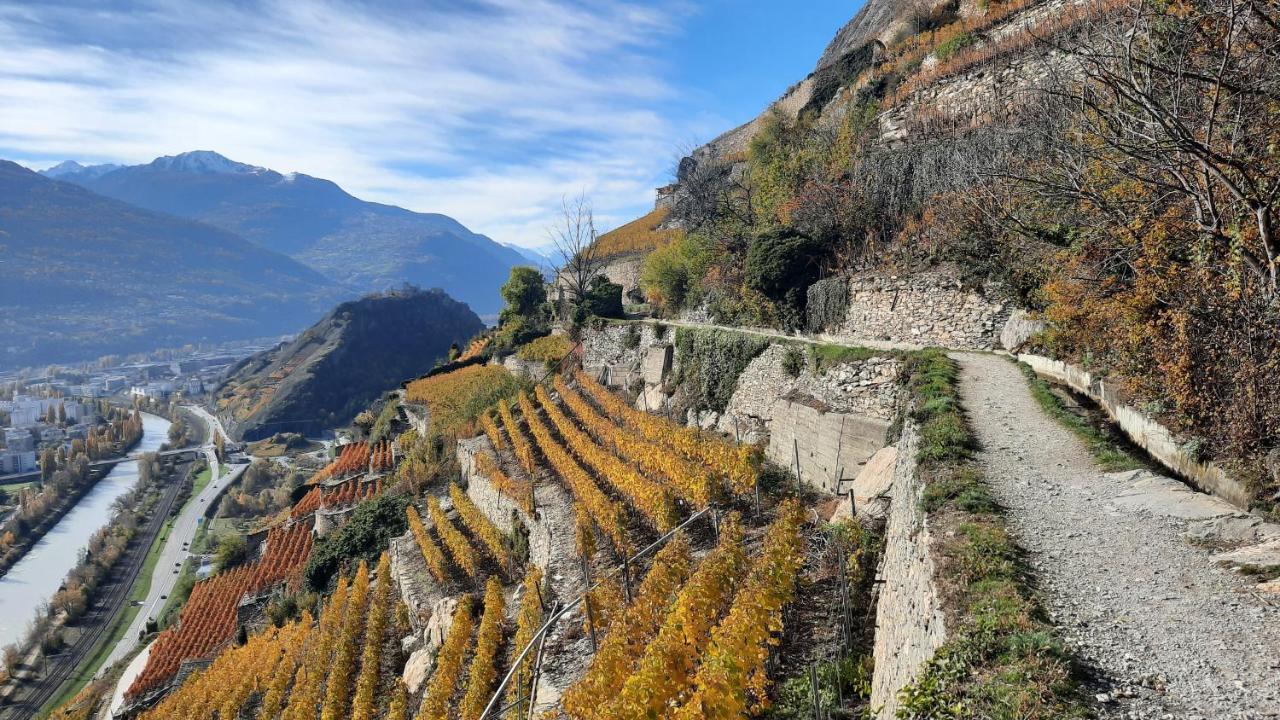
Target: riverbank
(97, 630)
(35, 534)
(35, 579)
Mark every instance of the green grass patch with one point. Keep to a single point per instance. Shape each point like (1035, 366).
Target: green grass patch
(1110, 455)
(825, 356)
(1002, 660)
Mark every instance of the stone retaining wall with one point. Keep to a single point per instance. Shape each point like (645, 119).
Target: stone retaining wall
(1146, 433)
(910, 626)
(551, 541)
(926, 308)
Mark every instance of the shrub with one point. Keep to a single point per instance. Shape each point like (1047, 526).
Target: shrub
(364, 536)
(549, 349)
(604, 298)
(232, 551)
(780, 262)
(671, 273)
(950, 47)
(793, 361)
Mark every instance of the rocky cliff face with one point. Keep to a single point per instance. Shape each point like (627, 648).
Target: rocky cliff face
(325, 376)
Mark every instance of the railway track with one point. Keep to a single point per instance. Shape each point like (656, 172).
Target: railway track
(28, 701)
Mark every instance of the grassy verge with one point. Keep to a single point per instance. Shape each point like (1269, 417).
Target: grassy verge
(1109, 454)
(1002, 659)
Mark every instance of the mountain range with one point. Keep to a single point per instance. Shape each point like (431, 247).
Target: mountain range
(83, 275)
(363, 245)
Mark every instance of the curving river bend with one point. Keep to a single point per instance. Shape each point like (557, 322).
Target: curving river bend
(38, 575)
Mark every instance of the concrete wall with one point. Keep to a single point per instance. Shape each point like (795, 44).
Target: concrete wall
(1143, 431)
(910, 626)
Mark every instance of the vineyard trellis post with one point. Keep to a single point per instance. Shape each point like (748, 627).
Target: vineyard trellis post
(795, 449)
(626, 579)
(813, 679)
(839, 443)
(586, 601)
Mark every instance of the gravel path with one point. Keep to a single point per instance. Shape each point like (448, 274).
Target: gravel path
(1168, 634)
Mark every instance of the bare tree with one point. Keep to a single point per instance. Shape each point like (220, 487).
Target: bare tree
(1181, 106)
(575, 242)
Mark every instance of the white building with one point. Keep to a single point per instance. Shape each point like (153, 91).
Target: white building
(16, 461)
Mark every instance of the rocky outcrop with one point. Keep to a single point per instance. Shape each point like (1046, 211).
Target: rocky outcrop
(338, 366)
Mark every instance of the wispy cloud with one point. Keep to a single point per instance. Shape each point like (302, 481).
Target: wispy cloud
(488, 111)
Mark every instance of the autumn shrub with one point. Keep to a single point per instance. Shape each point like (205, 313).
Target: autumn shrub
(551, 348)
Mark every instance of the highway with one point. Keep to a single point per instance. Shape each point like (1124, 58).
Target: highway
(175, 549)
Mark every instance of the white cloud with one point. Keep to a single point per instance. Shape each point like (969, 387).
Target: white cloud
(486, 111)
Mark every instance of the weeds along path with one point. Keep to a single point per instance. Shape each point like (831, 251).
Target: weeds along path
(1169, 634)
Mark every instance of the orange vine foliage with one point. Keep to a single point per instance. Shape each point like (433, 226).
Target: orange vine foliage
(480, 526)
(454, 541)
(519, 442)
(738, 465)
(481, 675)
(431, 552)
(691, 481)
(732, 672)
(435, 701)
(646, 496)
(640, 235)
(607, 514)
(450, 397)
(519, 491)
(664, 675)
(630, 633)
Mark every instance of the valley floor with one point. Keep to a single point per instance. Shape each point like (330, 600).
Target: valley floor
(1168, 633)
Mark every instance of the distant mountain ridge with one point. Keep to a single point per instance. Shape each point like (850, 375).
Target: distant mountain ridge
(83, 275)
(363, 244)
(328, 373)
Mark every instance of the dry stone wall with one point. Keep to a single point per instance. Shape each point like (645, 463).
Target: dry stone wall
(926, 308)
(910, 625)
(551, 545)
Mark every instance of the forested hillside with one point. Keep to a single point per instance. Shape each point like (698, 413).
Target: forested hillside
(84, 275)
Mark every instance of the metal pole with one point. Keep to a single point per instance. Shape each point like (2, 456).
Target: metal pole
(813, 678)
(586, 600)
(853, 506)
(626, 579)
(537, 672)
(795, 449)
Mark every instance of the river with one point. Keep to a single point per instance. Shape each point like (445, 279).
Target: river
(38, 575)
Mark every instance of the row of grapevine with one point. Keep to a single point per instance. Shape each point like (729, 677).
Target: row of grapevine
(351, 491)
(520, 444)
(481, 527)
(435, 701)
(492, 432)
(607, 514)
(431, 552)
(664, 672)
(692, 482)
(208, 619)
(629, 634)
(520, 491)
(737, 464)
(731, 682)
(460, 549)
(304, 670)
(649, 498)
(528, 620)
(483, 670)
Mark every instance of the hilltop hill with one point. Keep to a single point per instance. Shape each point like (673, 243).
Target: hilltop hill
(82, 275)
(339, 365)
(367, 245)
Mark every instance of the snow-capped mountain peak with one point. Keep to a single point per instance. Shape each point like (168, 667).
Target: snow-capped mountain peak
(205, 162)
(71, 167)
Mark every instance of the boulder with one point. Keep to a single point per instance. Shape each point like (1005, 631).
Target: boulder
(1019, 329)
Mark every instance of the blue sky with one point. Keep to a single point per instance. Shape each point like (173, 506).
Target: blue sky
(489, 111)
